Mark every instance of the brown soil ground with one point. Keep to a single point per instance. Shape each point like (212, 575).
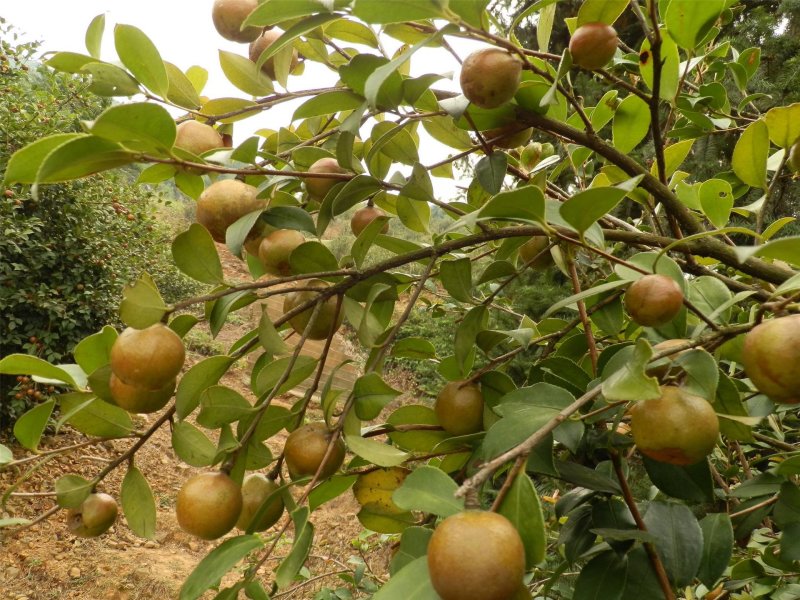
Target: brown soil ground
(47, 563)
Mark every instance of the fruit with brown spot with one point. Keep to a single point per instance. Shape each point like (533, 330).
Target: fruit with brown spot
(328, 319)
(263, 42)
(318, 187)
(305, 450)
(593, 45)
(459, 408)
(93, 517)
(208, 505)
(364, 216)
(490, 77)
(770, 357)
(256, 488)
(223, 203)
(147, 358)
(678, 427)
(228, 16)
(476, 555)
(276, 248)
(654, 300)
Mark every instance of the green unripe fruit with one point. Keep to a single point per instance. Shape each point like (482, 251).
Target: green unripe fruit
(276, 248)
(305, 450)
(147, 358)
(459, 408)
(328, 319)
(208, 505)
(256, 488)
(93, 517)
(137, 399)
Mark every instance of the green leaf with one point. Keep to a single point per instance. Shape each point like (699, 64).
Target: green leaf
(783, 123)
(138, 504)
(94, 351)
(141, 57)
(82, 156)
(716, 199)
(523, 508)
(330, 489)
(375, 452)
(110, 80)
(6, 456)
(299, 28)
(94, 35)
(717, 547)
(72, 490)
(139, 125)
(69, 62)
(456, 277)
(221, 560)
(289, 217)
(25, 364)
(192, 446)
(414, 213)
(365, 239)
(196, 255)
(413, 544)
(268, 336)
(491, 171)
(381, 12)
(602, 578)
(244, 74)
(631, 123)
(750, 155)
(628, 379)
(688, 21)
(269, 376)
(412, 582)
(670, 71)
(181, 91)
(29, 427)
(276, 11)
(371, 394)
(585, 208)
(141, 305)
(430, 490)
(303, 539)
(198, 378)
(692, 483)
(525, 204)
(600, 11)
(328, 103)
(92, 416)
(24, 163)
(679, 539)
(220, 405)
(312, 257)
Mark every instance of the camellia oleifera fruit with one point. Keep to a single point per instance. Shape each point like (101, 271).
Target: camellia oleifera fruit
(328, 318)
(678, 427)
(208, 505)
(93, 517)
(261, 43)
(476, 555)
(256, 489)
(147, 358)
(305, 450)
(665, 365)
(197, 138)
(137, 399)
(228, 17)
(654, 300)
(593, 45)
(490, 77)
(533, 252)
(770, 356)
(276, 248)
(508, 136)
(318, 187)
(459, 408)
(363, 217)
(223, 203)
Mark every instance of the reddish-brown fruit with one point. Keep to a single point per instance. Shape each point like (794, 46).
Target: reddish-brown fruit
(319, 187)
(223, 203)
(678, 428)
(9, 193)
(256, 488)
(263, 42)
(508, 136)
(305, 449)
(364, 216)
(208, 505)
(137, 399)
(770, 356)
(197, 138)
(93, 517)
(654, 300)
(147, 358)
(130, 217)
(490, 77)
(593, 45)
(459, 408)
(476, 555)
(327, 317)
(276, 248)
(533, 248)
(228, 16)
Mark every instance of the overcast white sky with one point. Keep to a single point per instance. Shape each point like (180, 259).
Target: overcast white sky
(184, 34)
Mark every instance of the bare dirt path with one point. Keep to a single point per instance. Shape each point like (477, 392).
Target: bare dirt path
(47, 563)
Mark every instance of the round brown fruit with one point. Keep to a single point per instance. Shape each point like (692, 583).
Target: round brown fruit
(593, 45)
(476, 555)
(93, 517)
(536, 247)
(147, 358)
(770, 356)
(678, 428)
(364, 216)
(208, 505)
(140, 400)
(654, 300)
(305, 448)
(666, 364)
(490, 77)
(319, 187)
(261, 43)
(508, 136)
(228, 16)
(459, 408)
(794, 157)
(197, 138)
(223, 203)
(275, 249)
(256, 488)
(327, 318)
